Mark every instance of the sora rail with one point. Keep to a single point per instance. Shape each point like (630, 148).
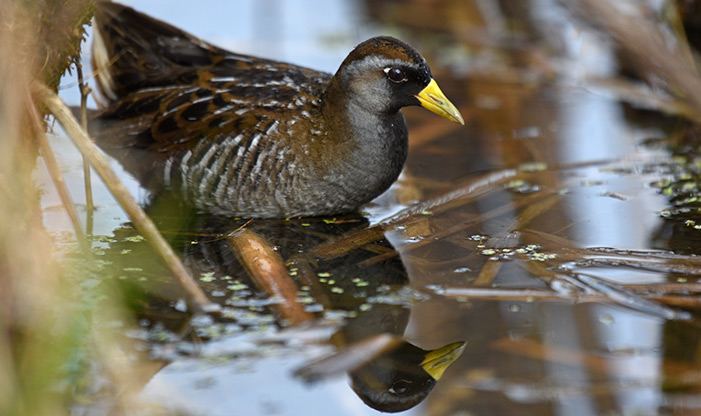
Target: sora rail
(244, 136)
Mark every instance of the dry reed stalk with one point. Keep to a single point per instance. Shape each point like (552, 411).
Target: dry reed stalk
(648, 47)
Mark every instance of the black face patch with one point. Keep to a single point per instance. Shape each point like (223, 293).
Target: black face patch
(396, 74)
(413, 80)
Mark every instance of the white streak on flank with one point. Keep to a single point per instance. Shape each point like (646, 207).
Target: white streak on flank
(245, 164)
(229, 145)
(236, 57)
(166, 172)
(203, 99)
(184, 169)
(237, 162)
(241, 111)
(224, 79)
(273, 128)
(223, 109)
(204, 161)
(199, 100)
(262, 156)
(254, 142)
(285, 82)
(281, 155)
(234, 100)
(173, 110)
(290, 83)
(207, 173)
(168, 87)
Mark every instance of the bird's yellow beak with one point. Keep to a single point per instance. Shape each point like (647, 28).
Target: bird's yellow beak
(432, 98)
(436, 361)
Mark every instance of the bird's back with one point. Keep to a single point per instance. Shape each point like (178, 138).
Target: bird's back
(167, 94)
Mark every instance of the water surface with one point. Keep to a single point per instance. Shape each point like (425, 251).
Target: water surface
(552, 239)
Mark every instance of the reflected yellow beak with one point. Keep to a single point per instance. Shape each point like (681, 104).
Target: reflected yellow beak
(438, 360)
(432, 98)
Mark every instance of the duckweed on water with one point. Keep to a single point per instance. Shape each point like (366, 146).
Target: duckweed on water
(207, 277)
(358, 282)
(542, 256)
(403, 296)
(533, 167)
(237, 286)
(530, 251)
(522, 187)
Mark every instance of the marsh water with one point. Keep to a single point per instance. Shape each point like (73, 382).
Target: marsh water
(555, 234)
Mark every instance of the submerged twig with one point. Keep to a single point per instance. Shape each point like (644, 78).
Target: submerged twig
(658, 301)
(627, 298)
(648, 260)
(142, 222)
(539, 202)
(267, 269)
(572, 281)
(355, 239)
(465, 193)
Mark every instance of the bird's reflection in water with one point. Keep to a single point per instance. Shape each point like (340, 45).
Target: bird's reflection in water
(374, 296)
(402, 378)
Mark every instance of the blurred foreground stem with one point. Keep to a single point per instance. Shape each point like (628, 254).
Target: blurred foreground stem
(142, 222)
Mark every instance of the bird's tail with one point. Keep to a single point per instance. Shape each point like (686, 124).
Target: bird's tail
(132, 50)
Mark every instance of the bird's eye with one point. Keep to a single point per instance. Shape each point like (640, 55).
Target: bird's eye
(395, 75)
(400, 387)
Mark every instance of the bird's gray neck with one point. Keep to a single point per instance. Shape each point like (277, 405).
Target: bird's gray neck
(374, 149)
